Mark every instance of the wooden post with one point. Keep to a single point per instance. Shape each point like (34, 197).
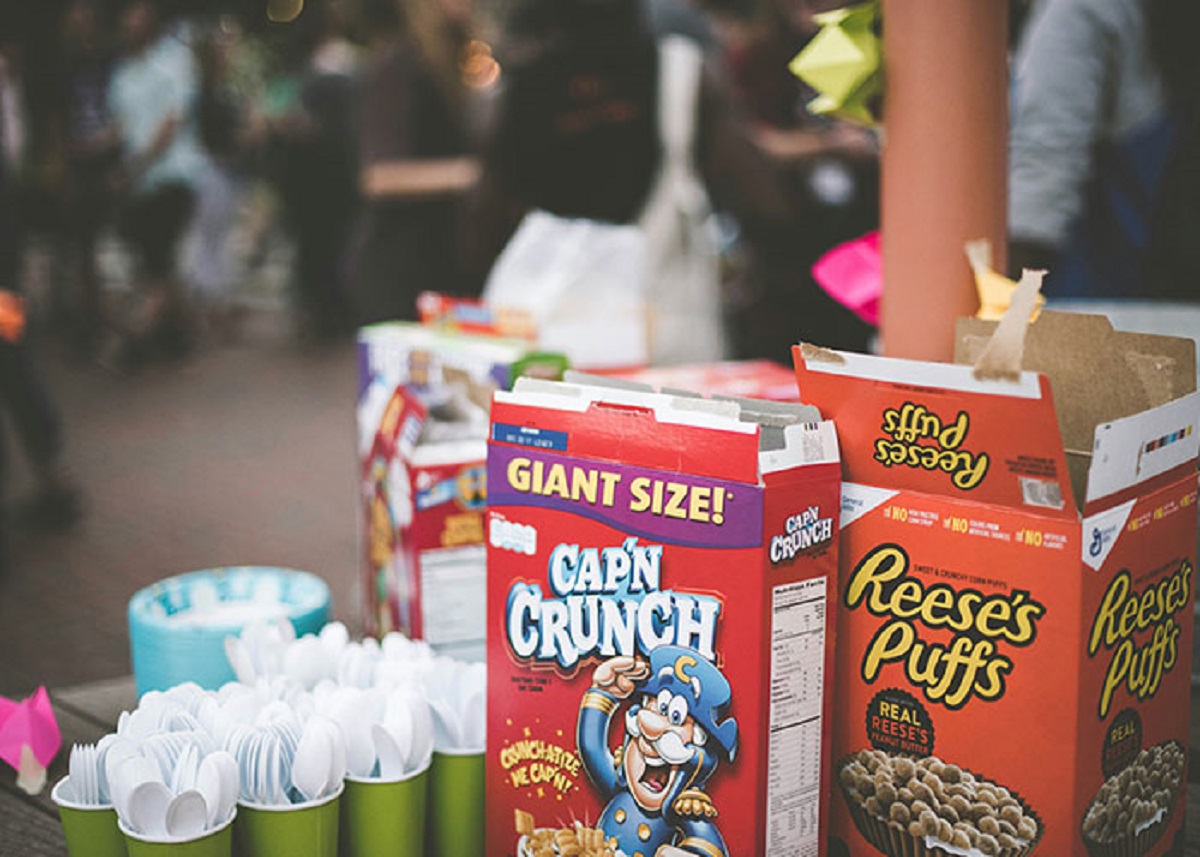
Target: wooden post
(944, 171)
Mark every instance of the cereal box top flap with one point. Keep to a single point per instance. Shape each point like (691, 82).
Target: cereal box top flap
(408, 353)
(1140, 371)
(1110, 388)
(390, 422)
(909, 425)
(412, 335)
(772, 414)
(720, 439)
(759, 379)
(449, 452)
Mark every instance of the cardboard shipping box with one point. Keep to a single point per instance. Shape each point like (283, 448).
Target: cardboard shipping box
(660, 632)
(1017, 569)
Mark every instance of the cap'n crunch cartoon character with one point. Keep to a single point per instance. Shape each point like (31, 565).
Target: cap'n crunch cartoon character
(675, 738)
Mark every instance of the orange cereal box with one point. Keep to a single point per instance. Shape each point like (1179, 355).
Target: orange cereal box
(660, 629)
(1015, 594)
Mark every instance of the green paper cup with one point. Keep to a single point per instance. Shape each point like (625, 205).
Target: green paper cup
(90, 831)
(214, 843)
(385, 818)
(293, 830)
(456, 804)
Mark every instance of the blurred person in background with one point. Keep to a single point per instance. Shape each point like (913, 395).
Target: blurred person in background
(831, 171)
(89, 149)
(312, 113)
(152, 97)
(577, 134)
(1104, 169)
(682, 18)
(1018, 15)
(24, 398)
(232, 132)
(417, 155)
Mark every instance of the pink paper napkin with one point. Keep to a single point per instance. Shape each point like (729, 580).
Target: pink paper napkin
(852, 274)
(29, 723)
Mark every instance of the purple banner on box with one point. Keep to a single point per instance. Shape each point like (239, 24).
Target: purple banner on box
(673, 508)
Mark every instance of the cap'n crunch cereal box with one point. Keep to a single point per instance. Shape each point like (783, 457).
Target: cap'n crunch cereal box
(659, 624)
(1017, 562)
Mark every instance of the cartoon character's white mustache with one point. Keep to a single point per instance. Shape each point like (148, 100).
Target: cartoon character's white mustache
(672, 750)
(669, 745)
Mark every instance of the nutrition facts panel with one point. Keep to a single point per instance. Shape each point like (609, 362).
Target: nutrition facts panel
(453, 607)
(797, 695)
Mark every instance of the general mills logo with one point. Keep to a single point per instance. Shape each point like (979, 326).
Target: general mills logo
(1101, 541)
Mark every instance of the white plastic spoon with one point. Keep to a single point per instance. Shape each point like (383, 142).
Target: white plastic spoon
(337, 758)
(447, 728)
(148, 804)
(208, 783)
(387, 751)
(131, 773)
(423, 734)
(228, 769)
(186, 767)
(356, 732)
(116, 753)
(187, 815)
(310, 769)
(399, 722)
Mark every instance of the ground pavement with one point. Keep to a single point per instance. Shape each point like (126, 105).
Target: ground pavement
(244, 455)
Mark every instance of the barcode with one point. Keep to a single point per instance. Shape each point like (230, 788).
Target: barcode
(812, 443)
(1041, 492)
(1167, 439)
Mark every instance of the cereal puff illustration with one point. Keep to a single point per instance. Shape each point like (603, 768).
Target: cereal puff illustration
(675, 738)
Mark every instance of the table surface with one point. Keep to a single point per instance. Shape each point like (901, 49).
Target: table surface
(29, 824)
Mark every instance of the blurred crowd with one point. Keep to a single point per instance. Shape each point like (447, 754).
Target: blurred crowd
(393, 147)
(396, 146)
(191, 135)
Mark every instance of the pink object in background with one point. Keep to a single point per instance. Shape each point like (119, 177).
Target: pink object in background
(852, 274)
(29, 738)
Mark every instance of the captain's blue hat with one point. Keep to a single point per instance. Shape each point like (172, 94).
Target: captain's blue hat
(687, 673)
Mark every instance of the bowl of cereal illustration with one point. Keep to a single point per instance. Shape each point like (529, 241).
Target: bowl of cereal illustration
(909, 806)
(577, 840)
(1134, 806)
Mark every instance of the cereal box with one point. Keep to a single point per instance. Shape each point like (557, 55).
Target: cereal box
(422, 423)
(659, 624)
(1015, 595)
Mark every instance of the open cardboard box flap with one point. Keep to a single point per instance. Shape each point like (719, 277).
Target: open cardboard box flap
(1097, 375)
(721, 437)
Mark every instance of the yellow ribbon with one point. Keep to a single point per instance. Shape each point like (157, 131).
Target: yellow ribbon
(995, 290)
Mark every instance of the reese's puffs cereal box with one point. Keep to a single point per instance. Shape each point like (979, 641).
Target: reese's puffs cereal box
(660, 621)
(1016, 571)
